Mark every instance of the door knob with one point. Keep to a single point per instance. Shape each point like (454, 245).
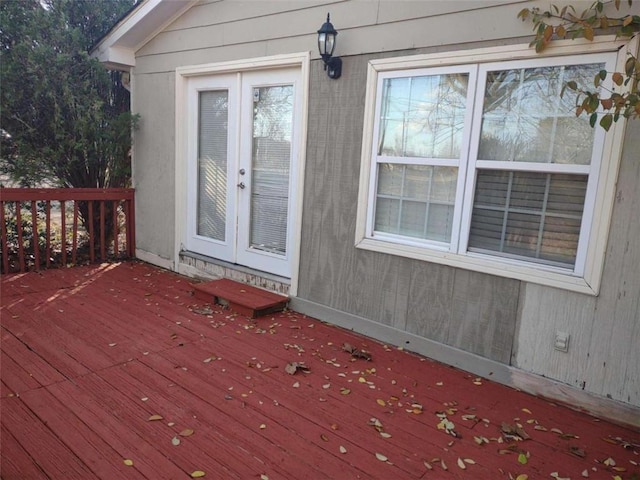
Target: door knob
(242, 171)
(241, 185)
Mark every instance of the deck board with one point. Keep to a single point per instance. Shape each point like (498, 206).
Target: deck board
(90, 353)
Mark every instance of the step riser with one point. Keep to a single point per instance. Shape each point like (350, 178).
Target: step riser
(244, 299)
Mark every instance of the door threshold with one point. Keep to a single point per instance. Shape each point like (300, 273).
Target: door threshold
(202, 267)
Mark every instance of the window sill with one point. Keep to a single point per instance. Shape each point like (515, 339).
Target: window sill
(548, 276)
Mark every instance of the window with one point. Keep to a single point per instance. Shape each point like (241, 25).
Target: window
(484, 166)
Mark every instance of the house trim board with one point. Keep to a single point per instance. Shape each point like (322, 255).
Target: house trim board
(299, 60)
(507, 375)
(154, 259)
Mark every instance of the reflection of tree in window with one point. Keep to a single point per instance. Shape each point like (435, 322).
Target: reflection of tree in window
(526, 119)
(271, 158)
(423, 116)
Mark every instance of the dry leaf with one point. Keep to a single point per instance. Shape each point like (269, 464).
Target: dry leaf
(296, 385)
(577, 451)
(175, 441)
(345, 391)
(522, 458)
(381, 457)
(585, 473)
(381, 402)
(342, 449)
(385, 435)
(128, 462)
(443, 465)
(461, 464)
(262, 426)
(324, 437)
(197, 474)
(522, 476)
(470, 461)
(428, 465)
(187, 432)
(154, 418)
(526, 410)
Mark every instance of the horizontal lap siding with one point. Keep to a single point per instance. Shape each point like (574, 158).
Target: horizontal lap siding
(231, 30)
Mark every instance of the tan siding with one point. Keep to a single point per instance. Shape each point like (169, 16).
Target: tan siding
(471, 311)
(153, 163)
(218, 32)
(603, 355)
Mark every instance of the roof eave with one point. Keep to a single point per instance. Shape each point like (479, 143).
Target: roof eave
(118, 47)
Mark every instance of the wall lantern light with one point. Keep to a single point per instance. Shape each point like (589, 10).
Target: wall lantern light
(326, 45)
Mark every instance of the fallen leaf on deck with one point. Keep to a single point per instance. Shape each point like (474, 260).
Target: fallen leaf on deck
(263, 426)
(585, 473)
(203, 311)
(175, 441)
(296, 385)
(428, 465)
(293, 367)
(345, 391)
(342, 449)
(324, 437)
(153, 418)
(558, 477)
(522, 476)
(461, 464)
(522, 458)
(197, 474)
(470, 461)
(385, 435)
(128, 462)
(526, 410)
(514, 432)
(381, 457)
(577, 451)
(187, 432)
(334, 426)
(112, 344)
(609, 462)
(443, 465)
(264, 477)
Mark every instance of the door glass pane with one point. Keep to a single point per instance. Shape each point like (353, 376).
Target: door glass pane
(271, 159)
(416, 201)
(212, 164)
(526, 120)
(423, 116)
(536, 216)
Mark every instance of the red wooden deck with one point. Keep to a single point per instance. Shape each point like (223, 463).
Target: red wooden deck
(91, 354)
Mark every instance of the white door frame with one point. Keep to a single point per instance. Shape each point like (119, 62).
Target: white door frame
(299, 60)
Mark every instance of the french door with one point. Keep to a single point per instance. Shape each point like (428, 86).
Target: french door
(243, 145)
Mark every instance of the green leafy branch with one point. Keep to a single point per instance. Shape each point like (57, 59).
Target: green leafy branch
(566, 23)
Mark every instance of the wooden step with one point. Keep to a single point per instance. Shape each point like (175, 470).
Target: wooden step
(247, 300)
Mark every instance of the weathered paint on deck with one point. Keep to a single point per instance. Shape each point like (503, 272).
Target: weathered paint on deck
(90, 353)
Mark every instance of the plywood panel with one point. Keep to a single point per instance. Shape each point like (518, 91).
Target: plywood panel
(603, 355)
(614, 360)
(412, 296)
(483, 314)
(429, 305)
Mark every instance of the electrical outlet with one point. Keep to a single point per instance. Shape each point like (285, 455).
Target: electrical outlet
(562, 342)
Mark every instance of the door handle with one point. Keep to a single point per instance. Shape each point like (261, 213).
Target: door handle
(241, 185)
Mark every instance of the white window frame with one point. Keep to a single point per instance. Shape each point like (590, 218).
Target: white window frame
(586, 275)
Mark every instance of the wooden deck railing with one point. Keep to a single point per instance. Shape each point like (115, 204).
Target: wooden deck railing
(29, 226)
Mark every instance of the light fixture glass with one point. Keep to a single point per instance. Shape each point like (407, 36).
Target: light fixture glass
(326, 45)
